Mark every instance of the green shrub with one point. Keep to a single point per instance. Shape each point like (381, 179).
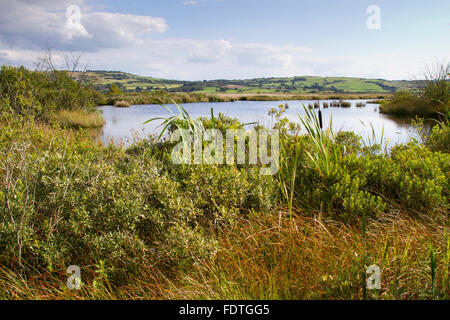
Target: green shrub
(404, 103)
(79, 203)
(439, 139)
(38, 94)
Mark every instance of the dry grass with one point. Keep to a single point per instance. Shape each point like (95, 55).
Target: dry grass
(122, 104)
(296, 96)
(268, 256)
(79, 119)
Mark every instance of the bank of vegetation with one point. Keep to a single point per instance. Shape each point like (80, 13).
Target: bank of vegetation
(115, 95)
(430, 96)
(141, 227)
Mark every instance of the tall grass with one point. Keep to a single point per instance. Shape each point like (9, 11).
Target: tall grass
(405, 104)
(78, 119)
(323, 153)
(271, 257)
(122, 104)
(290, 153)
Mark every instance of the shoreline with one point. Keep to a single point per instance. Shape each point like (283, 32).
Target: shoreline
(183, 97)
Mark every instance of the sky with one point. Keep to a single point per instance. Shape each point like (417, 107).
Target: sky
(231, 39)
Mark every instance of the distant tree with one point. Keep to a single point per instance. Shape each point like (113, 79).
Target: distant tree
(114, 89)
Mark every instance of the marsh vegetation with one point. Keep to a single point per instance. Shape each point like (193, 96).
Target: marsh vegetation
(141, 227)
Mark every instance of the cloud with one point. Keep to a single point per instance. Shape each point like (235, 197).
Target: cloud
(198, 2)
(267, 56)
(208, 51)
(118, 41)
(112, 30)
(33, 24)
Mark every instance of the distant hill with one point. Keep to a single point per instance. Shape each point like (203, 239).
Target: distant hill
(101, 80)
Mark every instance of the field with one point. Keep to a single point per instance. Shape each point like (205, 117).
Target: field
(101, 80)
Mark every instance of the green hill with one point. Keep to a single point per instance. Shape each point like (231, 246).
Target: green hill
(307, 84)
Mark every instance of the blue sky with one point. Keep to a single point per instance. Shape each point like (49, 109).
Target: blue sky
(211, 39)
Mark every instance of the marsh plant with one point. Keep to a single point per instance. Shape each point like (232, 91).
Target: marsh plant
(140, 226)
(429, 97)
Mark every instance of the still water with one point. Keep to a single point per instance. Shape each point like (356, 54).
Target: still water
(124, 124)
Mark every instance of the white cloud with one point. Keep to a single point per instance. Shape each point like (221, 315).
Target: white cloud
(118, 30)
(268, 56)
(190, 59)
(32, 25)
(116, 41)
(197, 2)
(208, 51)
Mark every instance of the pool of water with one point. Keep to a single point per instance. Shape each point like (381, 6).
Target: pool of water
(125, 124)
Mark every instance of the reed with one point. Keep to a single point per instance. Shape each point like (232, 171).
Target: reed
(122, 104)
(78, 119)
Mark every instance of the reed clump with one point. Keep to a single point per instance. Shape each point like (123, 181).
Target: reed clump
(122, 104)
(335, 104)
(78, 119)
(409, 104)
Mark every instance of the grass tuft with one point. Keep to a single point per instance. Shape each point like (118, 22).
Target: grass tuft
(122, 104)
(78, 119)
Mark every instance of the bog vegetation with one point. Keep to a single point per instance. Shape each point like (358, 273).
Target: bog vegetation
(430, 96)
(141, 227)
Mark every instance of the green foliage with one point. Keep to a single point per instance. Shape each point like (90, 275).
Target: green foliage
(405, 103)
(335, 174)
(439, 139)
(103, 80)
(66, 199)
(114, 90)
(38, 94)
(78, 203)
(430, 98)
(437, 88)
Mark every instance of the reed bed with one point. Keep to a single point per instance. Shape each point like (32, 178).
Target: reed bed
(78, 119)
(122, 104)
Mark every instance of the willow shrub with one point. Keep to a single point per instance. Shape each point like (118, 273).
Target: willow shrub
(67, 201)
(38, 94)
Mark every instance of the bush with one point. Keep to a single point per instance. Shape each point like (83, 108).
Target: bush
(38, 94)
(439, 139)
(405, 103)
(432, 95)
(79, 203)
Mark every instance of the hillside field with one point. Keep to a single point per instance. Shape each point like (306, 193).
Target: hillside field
(127, 82)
